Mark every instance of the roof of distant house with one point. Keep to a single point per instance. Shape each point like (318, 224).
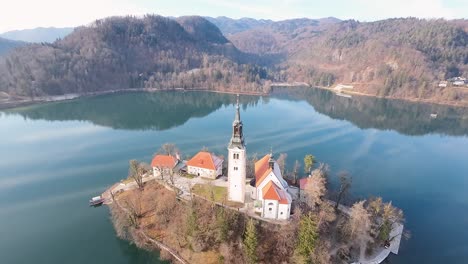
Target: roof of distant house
(205, 160)
(303, 183)
(166, 161)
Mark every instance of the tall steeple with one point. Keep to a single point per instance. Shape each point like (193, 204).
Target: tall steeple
(237, 160)
(237, 139)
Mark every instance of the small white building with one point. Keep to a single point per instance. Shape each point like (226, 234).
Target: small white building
(271, 190)
(163, 164)
(206, 165)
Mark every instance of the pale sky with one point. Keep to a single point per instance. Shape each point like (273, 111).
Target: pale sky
(22, 14)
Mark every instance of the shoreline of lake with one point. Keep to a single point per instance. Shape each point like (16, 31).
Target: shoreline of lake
(23, 101)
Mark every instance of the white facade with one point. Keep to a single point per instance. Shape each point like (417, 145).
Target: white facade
(236, 174)
(270, 209)
(284, 211)
(202, 172)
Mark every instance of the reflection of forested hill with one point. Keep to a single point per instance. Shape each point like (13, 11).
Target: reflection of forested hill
(368, 112)
(159, 111)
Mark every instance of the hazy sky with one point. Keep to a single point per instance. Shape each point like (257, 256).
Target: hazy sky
(21, 14)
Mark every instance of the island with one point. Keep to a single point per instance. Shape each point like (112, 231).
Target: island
(259, 213)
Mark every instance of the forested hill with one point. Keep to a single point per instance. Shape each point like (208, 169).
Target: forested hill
(402, 58)
(128, 52)
(6, 45)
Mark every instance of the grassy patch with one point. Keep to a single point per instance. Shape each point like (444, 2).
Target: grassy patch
(211, 192)
(187, 175)
(127, 181)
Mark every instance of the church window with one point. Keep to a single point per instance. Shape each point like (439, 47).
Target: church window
(270, 209)
(281, 213)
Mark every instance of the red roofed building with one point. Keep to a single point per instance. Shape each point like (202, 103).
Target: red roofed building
(163, 163)
(206, 165)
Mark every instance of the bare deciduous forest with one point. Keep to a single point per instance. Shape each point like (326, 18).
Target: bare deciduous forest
(397, 58)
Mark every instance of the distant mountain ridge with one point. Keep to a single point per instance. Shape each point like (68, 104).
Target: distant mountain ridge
(38, 35)
(6, 45)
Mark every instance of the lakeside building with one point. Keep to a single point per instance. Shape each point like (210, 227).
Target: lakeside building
(163, 164)
(206, 165)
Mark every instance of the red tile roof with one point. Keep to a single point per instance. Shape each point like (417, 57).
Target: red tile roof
(165, 161)
(272, 192)
(203, 160)
(262, 169)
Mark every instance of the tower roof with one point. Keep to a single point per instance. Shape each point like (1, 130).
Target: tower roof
(237, 117)
(237, 139)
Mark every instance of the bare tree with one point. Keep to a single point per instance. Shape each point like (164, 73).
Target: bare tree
(345, 184)
(135, 172)
(315, 188)
(171, 175)
(326, 215)
(297, 166)
(251, 165)
(205, 149)
(282, 162)
(359, 225)
(169, 149)
(134, 207)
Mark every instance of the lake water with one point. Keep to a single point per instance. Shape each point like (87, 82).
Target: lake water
(54, 157)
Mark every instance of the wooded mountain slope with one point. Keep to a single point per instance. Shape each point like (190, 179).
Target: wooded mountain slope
(128, 52)
(401, 58)
(396, 58)
(7, 45)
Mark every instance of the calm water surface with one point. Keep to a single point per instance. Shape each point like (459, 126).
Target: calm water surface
(54, 157)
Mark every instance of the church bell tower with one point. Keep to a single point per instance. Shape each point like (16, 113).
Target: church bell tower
(236, 160)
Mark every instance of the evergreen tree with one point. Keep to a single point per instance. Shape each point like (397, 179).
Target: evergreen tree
(308, 236)
(250, 241)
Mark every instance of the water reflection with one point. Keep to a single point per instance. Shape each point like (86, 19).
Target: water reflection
(384, 114)
(135, 111)
(164, 110)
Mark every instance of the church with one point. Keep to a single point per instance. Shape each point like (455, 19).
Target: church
(269, 191)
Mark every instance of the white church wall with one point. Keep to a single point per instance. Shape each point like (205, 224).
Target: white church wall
(284, 211)
(270, 209)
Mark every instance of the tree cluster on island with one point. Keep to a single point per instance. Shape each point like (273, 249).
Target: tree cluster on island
(202, 232)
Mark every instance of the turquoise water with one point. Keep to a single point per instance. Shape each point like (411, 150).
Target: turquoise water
(54, 157)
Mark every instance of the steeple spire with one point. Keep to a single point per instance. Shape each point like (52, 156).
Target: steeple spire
(237, 118)
(237, 139)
